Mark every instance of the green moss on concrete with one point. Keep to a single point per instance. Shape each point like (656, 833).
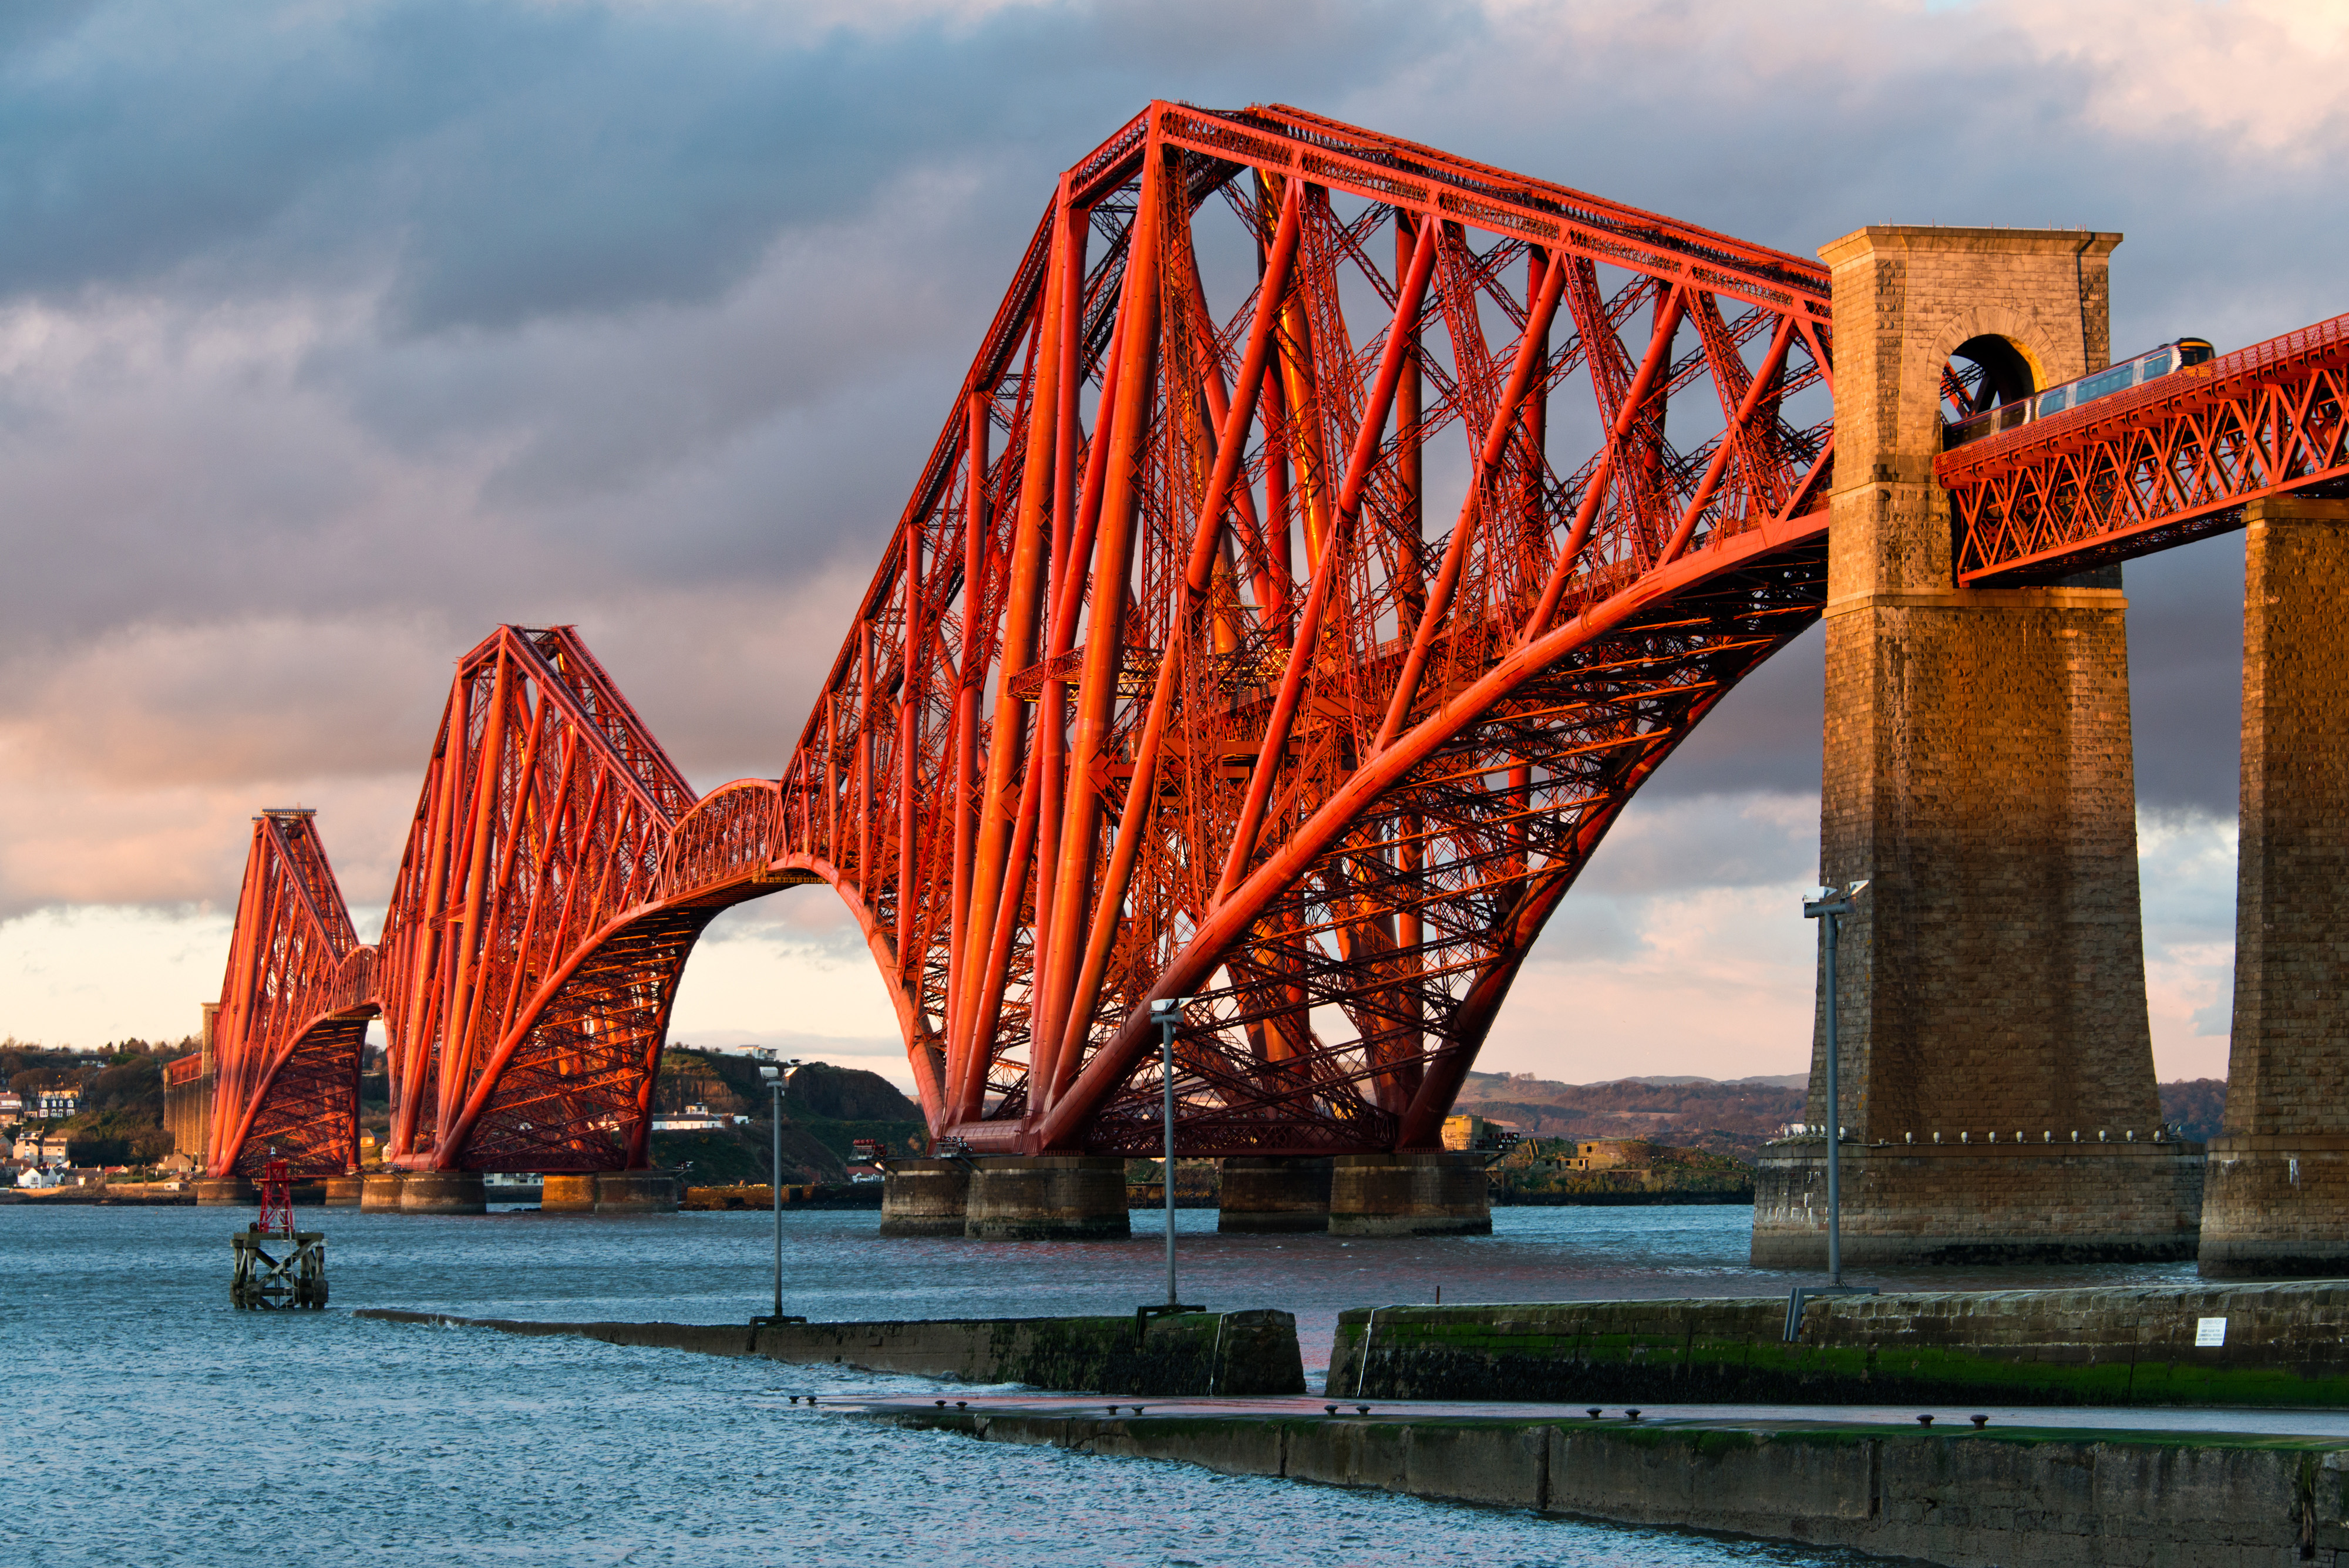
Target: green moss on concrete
(1734, 1350)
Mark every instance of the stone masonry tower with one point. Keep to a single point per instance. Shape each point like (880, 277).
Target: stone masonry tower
(1999, 1101)
(2279, 1193)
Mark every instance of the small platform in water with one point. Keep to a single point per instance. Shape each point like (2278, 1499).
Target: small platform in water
(281, 1283)
(265, 1282)
(269, 1282)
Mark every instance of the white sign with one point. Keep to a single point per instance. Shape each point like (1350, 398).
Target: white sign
(2209, 1331)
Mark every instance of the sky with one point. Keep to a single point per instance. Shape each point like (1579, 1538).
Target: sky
(334, 333)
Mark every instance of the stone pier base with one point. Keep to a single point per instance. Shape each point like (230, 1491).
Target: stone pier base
(444, 1193)
(2276, 1207)
(2032, 1202)
(379, 1191)
(1433, 1193)
(344, 1191)
(926, 1197)
(567, 1192)
(1264, 1196)
(2279, 1198)
(634, 1192)
(1050, 1197)
(226, 1192)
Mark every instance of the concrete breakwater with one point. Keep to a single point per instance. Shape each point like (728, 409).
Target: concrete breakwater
(2017, 1497)
(2251, 1345)
(1237, 1353)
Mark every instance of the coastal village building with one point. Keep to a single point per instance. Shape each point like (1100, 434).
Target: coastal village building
(42, 1149)
(698, 1118)
(1467, 1132)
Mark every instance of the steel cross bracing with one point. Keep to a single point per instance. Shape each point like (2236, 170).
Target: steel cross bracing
(1328, 538)
(294, 1006)
(2171, 460)
(1174, 681)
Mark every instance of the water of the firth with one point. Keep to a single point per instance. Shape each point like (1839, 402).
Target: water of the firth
(148, 1423)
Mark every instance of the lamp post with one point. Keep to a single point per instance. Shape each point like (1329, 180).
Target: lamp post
(1167, 1013)
(773, 1071)
(1828, 906)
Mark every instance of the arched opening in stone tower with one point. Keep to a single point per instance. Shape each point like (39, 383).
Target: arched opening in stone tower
(1983, 373)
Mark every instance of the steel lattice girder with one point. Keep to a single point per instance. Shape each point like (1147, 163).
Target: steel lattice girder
(1196, 698)
(295, 1003)
(2174, 460)
(1172, 681)
(515, 938)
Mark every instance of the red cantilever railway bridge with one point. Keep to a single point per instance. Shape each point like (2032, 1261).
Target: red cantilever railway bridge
(1174, 683)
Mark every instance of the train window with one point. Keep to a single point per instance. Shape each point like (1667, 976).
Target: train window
(2103, 385)
(2155, 365)
(2051, 402)
(2193, 351)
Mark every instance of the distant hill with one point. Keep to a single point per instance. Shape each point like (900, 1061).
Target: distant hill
(825, 1110)
(1734, 1117)
(1687, 1112)
(847, 1094)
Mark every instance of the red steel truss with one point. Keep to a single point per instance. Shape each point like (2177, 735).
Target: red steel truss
(294, 1007)
(529, 961)
(2158, 465)
(1306, 578)
(1329, 537)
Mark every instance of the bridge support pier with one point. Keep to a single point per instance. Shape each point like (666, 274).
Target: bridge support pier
(567, 1192)
(226, 1192)
(344, 1191)
(925, 1197)
(1421, 1193)
(379, 1191)
(2279, 1181)
(1050, 1197)
(1979, 776)
(634, 1192)
(444, 1193)
(1265, 1197)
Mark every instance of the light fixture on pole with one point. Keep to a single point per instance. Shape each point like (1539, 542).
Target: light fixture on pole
(1828, 906)
(1167, 1013)
(773, 1070)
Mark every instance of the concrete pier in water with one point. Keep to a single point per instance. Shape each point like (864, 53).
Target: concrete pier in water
(2006, 1495)
(926, 1197)
(1432, 1193)
(1250, 1352)
(1050, 1197)
(444, 1193)
(634, 1192)
(1078, 1198)
(1274, 1197)
(567, 1192)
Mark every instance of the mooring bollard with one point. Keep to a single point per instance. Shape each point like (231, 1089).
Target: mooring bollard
(265, 1283)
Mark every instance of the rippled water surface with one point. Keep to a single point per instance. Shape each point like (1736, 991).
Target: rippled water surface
(150, 1423)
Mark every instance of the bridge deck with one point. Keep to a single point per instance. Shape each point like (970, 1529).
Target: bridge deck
(2161, 464)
